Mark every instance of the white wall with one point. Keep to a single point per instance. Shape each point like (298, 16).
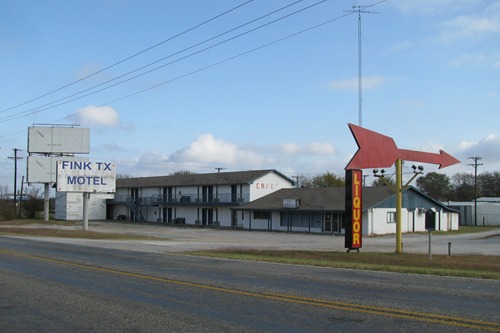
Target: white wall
(375, 221)
(267, 184)
(69, 206)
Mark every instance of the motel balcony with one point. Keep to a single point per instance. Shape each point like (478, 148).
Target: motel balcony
(224, 199)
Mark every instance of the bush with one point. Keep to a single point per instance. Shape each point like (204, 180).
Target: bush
(7, 211)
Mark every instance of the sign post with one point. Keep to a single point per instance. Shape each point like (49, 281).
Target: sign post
(376, 150)
(86, 177)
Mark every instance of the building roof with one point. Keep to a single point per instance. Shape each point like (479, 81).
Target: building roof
(333, 199)
(197, 179)
(317, 199)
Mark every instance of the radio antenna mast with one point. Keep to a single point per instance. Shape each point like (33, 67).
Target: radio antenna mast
(359, 10)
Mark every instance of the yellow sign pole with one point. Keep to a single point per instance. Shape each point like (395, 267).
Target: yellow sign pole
(399, 205)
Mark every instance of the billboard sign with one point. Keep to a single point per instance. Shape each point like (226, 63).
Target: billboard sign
(47, 139)
(42, 169)
(80, 176)
(353, 209)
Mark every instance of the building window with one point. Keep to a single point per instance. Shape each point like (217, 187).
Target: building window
(391, 217)
(261, 215)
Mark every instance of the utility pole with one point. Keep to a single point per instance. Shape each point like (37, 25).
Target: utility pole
(359, 10)
(475, 165)
(219, 169)
(15, 158)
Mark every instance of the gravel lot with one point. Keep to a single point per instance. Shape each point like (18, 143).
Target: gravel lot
(182, 239)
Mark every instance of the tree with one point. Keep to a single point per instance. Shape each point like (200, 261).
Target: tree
(326, 179)
(4, 191)
(182, 172)
(436, 185)
(382, 181)
(463, 187)
(34, 204)
(489, 184)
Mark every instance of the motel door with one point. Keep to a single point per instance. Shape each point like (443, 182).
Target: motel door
(207, 216)
(327, 222)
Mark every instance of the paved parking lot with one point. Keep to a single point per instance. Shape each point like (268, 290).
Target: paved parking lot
(181, 239)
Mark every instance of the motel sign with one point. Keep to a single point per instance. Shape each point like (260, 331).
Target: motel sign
(82, 176)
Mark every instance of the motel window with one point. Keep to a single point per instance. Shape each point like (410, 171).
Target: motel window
(316, 220)
(391, 217)
(303, 220)
(261, 215)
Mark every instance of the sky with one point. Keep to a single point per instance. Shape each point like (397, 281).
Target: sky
(198, 85)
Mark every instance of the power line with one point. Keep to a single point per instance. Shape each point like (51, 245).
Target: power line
(198, 70)
(128, 58)
(47, 106)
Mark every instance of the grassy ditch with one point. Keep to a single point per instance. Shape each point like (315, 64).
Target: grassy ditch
(484, 267)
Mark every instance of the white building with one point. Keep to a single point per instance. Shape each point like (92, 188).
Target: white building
(322, 210)
(199, 199)
(69, 206)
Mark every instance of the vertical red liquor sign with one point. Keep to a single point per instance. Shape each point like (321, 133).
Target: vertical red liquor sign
(353, 209)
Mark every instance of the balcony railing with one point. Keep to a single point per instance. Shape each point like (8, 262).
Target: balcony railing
(225, 199)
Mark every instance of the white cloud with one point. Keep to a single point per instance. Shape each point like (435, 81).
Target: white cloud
(90, 71)
(104, 116)
(369, 83)
(432, 7)
(207, 149)
(487, 148)
(320, 148)
(472, 25)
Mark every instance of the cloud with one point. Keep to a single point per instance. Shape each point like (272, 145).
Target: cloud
(104, 116)
(486, 148)
(432, 7)
(369, 83)
(91, 71)
(209, 150)
(471, 25)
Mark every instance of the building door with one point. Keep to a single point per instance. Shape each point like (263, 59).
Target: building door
(207, 216)
(234, 218)
(167, 215)
(327, 223)
(234, 193)
(167, 194)
(208, 193)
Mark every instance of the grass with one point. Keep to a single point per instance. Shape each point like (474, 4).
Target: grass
(485, 267)
(49, 229)
(470, 266)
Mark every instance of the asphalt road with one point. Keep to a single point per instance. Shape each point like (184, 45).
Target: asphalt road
(57, 287)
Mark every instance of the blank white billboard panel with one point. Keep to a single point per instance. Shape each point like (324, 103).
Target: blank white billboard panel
(42, 169)
(71, 140)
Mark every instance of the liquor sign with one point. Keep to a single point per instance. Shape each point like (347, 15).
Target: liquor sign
(353, 209)
(81, 176)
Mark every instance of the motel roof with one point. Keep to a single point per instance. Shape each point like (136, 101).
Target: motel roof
(197, 179)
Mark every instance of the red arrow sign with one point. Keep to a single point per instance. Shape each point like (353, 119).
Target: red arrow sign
(380, 151)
